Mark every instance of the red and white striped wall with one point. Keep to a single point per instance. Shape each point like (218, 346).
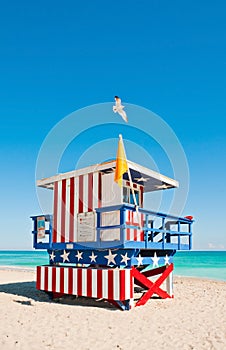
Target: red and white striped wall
(82, 194)
(71, 197)
(111, 284)
(134, 219)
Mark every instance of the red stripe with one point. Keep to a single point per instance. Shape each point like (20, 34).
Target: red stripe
(38, 277)
(141, 196)
(89, 283)
(79, 282)
(80, 201)
(63, 210)
(70, 280)
(142, 232)
(55, 211)
(122, 280)
(135, 235)
(90, 192)
(131, 284)
(99, 190)
(72, 209)
(54, 279)
(128, 234)
(46, 278)
(110, 285)
(99, 283)
(61, 280)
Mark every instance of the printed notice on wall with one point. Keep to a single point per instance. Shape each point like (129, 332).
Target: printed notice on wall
(41, 227)
(86, 227)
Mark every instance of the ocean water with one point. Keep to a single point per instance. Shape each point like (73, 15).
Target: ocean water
(204, 264)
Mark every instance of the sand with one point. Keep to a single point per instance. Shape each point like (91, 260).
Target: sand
(194, 319)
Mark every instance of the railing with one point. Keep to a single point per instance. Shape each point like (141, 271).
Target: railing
(160, 231)
(119, 227)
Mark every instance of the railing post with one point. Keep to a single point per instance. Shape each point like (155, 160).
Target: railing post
(190, 236)
(163, 233)
(178, 225)
(98, 227)
(146, 231)
(35, 241)
(122, 224)
(49, 218)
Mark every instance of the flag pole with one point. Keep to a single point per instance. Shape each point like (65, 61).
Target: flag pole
(131, 186)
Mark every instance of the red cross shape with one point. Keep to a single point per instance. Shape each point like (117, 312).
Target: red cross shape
(153, 287)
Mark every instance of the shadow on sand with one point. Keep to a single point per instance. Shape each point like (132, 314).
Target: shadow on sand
(28, 290)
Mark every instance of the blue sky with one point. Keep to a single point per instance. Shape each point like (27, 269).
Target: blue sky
(168, 57)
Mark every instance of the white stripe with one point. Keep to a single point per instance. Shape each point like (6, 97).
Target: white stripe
(95, 190)
(58, 280)
(76, 190)
(94, 283)
(85, 192)
(135, 218)
(127, 283)
(116, 294)
(42, 282)
(67, 212)
(105, 284)
(75, 283)
(169, 284)
(50, 282)
(84, 282)
(59, 204)
(66, 280)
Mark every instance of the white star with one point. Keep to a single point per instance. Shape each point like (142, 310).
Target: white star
(163, 186)
(65, 256)
(141, 179)
(93, 257)
(79, 255)
(52, 256)
(155, 260)
(125, 258)
(139, 260)
(110, 257)
(166, 260)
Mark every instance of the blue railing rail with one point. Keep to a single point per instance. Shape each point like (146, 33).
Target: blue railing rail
(161, 231)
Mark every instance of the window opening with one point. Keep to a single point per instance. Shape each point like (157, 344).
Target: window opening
(128, 196)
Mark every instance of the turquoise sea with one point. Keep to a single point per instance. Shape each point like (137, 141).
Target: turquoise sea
(204, 264)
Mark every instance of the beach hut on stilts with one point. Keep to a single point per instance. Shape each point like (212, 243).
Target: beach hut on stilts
(102, 241)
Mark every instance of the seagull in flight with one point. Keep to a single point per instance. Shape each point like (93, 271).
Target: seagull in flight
(118, 108)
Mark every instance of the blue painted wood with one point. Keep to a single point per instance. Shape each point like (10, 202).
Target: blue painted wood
(98, 257)
(156, 238)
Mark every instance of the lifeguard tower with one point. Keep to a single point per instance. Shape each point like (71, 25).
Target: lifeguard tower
(102, 241)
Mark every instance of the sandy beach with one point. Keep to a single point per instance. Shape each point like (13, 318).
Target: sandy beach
(194, 319)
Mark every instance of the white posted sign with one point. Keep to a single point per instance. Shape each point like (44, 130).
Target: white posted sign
(86, 227)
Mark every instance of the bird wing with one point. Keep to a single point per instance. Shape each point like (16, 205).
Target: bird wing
(123, 115)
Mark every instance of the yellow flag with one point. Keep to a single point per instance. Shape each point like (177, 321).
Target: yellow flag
(121, 162)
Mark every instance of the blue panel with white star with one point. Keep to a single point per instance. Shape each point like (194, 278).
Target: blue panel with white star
(111, 257)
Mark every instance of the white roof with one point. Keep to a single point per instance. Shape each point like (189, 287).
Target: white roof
(151, 180)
